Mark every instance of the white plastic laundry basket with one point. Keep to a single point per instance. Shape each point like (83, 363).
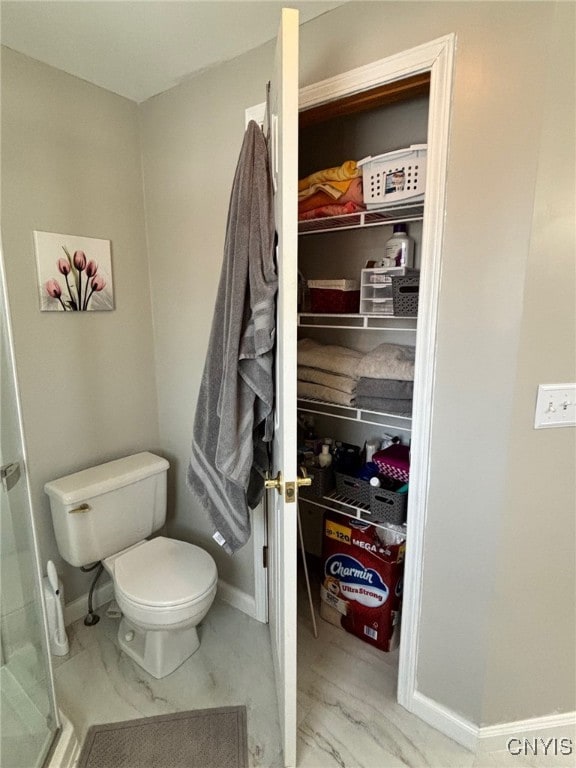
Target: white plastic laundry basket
(395, 177)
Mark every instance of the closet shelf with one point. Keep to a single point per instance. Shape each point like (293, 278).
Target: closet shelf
(335, 502)
(391, 420)
(366, 322)
(362, 219)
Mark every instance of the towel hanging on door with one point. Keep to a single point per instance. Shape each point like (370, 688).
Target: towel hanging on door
(234, 413)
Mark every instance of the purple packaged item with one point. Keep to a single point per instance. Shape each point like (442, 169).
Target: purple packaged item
(394, 462)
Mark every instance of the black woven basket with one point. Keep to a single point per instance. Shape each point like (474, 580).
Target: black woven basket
(353, 488)
(387, 506)
(322, 480)
(405, 291)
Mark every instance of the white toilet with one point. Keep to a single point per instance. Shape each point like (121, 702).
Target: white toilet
(164, 587)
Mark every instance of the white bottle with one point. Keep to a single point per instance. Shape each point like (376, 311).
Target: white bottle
(399, 249)
(325, 458)
(371, 447)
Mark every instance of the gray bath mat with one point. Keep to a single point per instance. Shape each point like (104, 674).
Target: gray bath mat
(202, 738)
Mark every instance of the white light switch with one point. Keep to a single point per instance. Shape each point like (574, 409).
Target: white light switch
(555, 406)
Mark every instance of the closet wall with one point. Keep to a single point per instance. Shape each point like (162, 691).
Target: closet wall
(192, 136)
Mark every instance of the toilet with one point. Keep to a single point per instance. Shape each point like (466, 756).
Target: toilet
(163, 587)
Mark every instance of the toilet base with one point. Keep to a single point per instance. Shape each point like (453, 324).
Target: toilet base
(159, 652)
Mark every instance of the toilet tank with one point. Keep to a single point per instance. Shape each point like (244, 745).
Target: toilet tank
(102, 510)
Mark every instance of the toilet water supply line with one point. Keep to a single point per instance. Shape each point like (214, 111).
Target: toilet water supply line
(92, 618)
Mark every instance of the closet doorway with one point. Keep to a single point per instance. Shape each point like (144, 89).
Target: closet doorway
(408, 74)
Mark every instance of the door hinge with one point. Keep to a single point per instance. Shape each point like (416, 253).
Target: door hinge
(10, 474)
(264, 557)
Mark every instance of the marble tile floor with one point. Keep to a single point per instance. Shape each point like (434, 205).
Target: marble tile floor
(97, 683)
(347, 713)
(348, 716)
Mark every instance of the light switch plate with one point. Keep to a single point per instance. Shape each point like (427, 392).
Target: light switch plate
(555, 406)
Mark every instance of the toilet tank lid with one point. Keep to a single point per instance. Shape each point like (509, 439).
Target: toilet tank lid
(95, 481)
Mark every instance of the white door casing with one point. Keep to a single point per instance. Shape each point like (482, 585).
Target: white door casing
(283, 117)
(437, 58)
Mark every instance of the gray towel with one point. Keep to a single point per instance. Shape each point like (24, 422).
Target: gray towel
(390, 388)
(233, 419)
(384, 405)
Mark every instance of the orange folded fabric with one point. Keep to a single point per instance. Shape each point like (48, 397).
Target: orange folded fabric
(348, 170)
(352, 192)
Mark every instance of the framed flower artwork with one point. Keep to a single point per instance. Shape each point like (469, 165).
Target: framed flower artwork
(74, 273)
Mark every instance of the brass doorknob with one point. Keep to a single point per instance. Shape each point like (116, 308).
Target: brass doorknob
(274, 482)
(305, 479)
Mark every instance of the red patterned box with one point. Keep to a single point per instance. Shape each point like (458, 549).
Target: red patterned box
(334, 296)
(394, 461)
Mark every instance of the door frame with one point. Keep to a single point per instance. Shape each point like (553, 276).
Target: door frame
(437, 58)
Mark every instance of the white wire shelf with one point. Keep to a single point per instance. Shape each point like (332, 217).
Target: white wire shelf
(335, 502)
(391, 420)
(376, 218)
(357, 321)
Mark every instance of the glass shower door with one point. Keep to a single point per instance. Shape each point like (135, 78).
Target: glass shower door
(27, 707)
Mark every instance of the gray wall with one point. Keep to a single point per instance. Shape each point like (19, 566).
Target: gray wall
(533, 637)
(191, 136)
(71, 164)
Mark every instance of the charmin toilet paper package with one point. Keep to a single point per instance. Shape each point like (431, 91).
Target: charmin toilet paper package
(361, 587)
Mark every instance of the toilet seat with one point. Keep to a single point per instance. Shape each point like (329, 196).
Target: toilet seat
(164, 575)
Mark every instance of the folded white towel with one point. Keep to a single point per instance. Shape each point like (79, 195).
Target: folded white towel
(334, 380)
(331, 358)
(328, 395)
(388, 361)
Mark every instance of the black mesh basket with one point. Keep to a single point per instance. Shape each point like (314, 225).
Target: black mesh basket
(405, 291)
(387, 506)
(322, 480)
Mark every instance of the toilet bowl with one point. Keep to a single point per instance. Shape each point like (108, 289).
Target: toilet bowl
(164, 589)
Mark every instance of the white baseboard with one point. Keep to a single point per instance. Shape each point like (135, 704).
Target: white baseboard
(493, 738)
(445, 720)
(78, 608)
(238, 599)
(67, 749)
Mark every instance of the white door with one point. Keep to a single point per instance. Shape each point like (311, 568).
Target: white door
(283, 118)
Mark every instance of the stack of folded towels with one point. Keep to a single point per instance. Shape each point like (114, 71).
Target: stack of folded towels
(386, 380)
(381, 380)
(327, 372)
(331, 192)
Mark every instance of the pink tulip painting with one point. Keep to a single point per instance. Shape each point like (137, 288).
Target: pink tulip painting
(53, 289)
(75, 273)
